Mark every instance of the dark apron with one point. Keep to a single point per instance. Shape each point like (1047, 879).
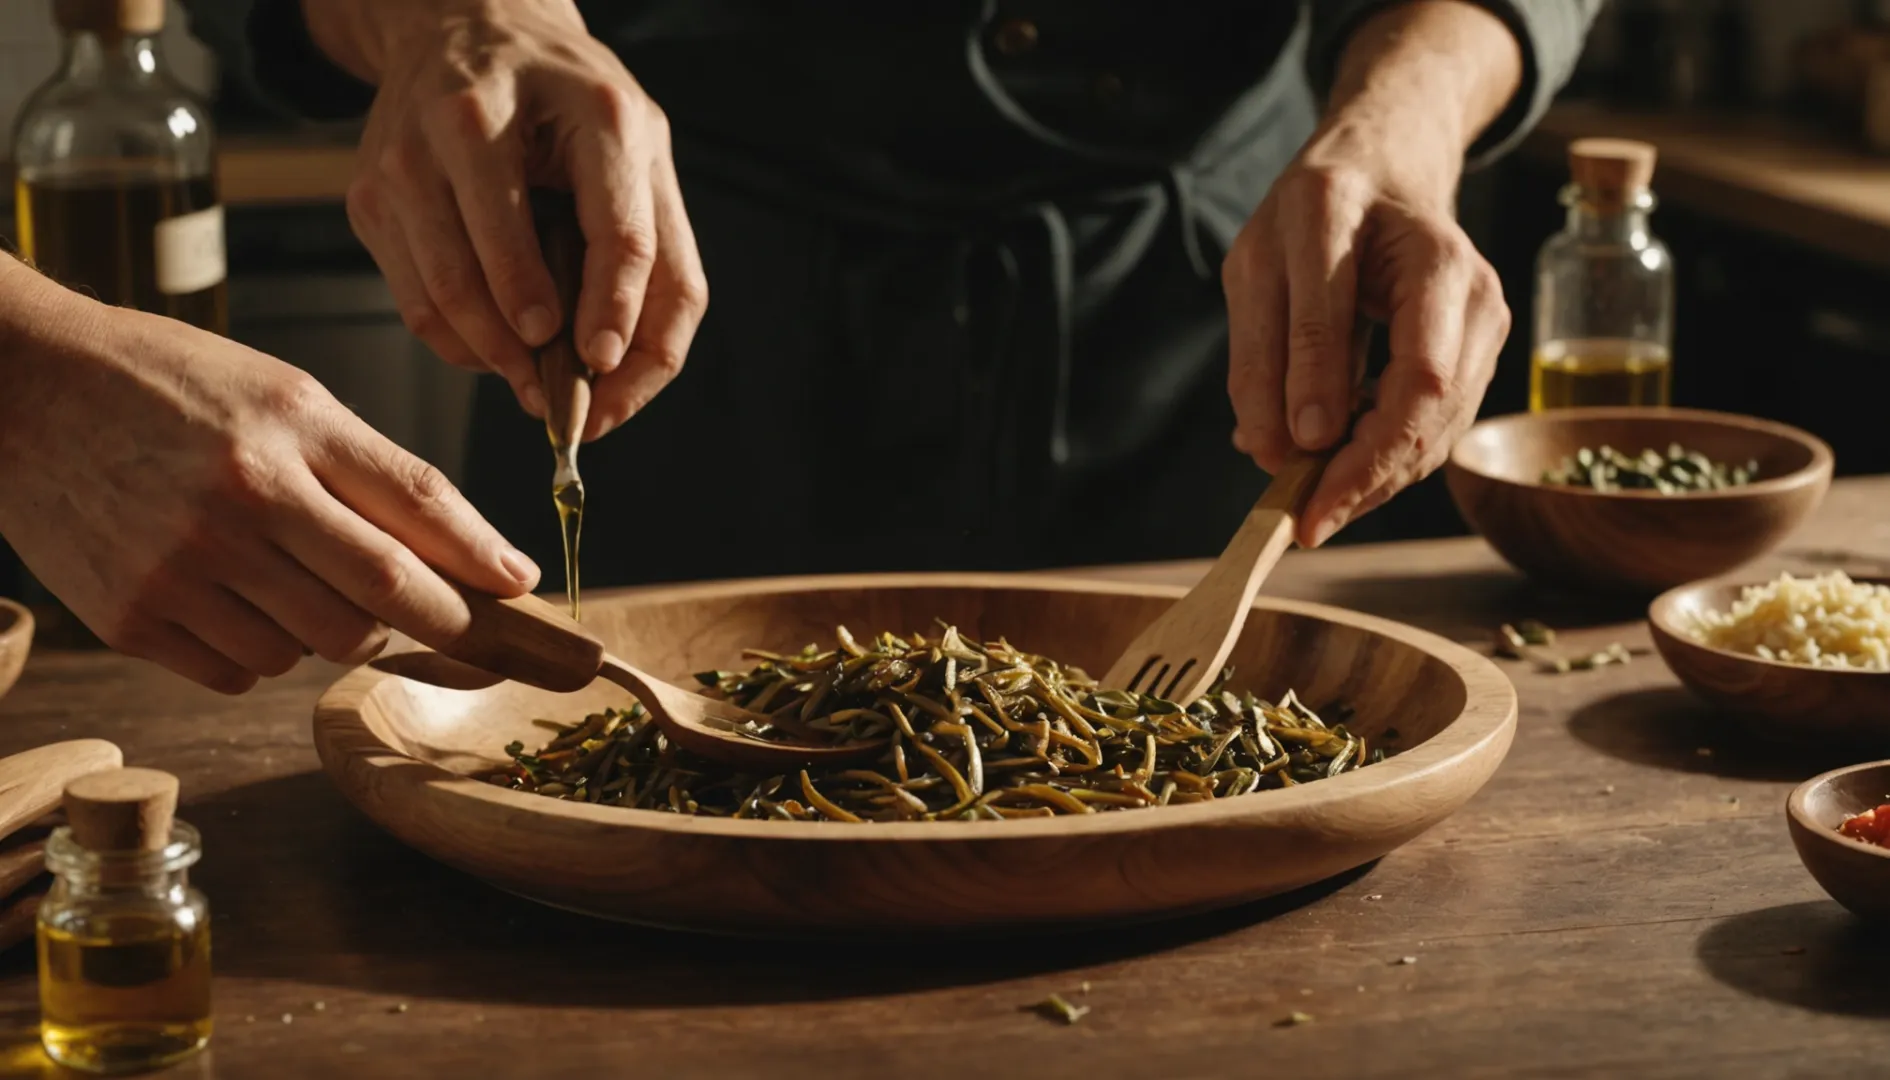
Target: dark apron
(966, 309)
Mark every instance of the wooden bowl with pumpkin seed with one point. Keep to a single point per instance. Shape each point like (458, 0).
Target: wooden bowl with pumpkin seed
(1635, 500)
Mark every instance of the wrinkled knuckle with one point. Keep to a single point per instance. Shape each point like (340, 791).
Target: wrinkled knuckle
(384, 580)
(403, 165)
(617, 108)
(354, 639)
(632, 243)
(247, 476)
(1323, 186)
(668, 362)
(1314, 336)
(426, 487)
(692, 294)
(278, 660)
(450, 286)
(1429, 379)
(298, 397)
(461, 116)
(366, 203)
(422, 320)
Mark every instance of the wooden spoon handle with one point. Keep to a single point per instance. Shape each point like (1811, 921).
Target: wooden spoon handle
(33, 782)
(565, 377)
(528, 641)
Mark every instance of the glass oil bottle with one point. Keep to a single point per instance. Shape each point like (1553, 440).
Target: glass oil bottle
(124, 941)
(114, 171)
(1604, 288)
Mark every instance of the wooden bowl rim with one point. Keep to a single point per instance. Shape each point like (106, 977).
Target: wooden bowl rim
(1817, 470)
(1660, 620)
(1490, 708)
(1798, 810)
(15, 620)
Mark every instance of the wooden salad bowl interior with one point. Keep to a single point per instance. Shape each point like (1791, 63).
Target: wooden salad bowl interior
(402, 752)
(16, 641)
(1632, 541)
(1778, 700)
(1855, 873)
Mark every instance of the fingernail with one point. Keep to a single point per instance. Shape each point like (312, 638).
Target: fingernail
(1312, 426)
(522, 569)
(537, 323)
(535, 399)
(606, 350)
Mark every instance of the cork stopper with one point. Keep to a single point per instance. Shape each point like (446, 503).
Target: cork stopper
(122, 809)
(110, 18)
(1611, 170)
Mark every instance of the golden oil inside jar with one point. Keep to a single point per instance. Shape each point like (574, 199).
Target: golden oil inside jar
(1599, 371)
(125, 991)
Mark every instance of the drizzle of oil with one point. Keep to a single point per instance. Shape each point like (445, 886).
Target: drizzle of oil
(569, 498)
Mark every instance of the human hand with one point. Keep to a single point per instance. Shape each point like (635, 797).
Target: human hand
(1361, 223)
(476, 104)
(212, 509)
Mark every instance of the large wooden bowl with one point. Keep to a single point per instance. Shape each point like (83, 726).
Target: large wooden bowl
(1632, 541)
(1855, 873)
(16, 640)
(1780, 701)
(401, 751)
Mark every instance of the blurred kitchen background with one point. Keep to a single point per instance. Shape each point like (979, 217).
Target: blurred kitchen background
(1772, 118)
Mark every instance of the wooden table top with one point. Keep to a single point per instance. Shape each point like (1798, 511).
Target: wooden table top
(1761, 173)
(1622, 899)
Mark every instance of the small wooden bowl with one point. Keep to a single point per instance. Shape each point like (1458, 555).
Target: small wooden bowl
(402, 751)
(1632, 541)
(1856, 874)
(16, 640)
(1778, 700)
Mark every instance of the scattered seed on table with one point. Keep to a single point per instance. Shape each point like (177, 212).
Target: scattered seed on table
(1404, 960)
(288, 1018)
(1305, 992)
(1376, 896)
(319, 1006)
(1607, 789)
(1733, 799)
(1055, 1008)
(1294, 1019)
(400, 1008)
(1084, 988)
(250, 1019)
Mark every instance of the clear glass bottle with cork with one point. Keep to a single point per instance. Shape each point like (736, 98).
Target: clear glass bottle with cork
(115, 184)
(124, 941)
(1604, 288)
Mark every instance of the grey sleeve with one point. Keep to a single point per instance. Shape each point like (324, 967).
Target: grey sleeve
(263, 49)
(1551, 33)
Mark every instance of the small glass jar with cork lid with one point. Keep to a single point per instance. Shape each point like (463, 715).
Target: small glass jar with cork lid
(124, 941)
(1604, 288)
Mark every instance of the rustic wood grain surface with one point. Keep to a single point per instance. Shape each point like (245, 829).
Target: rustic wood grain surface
(1621, 900)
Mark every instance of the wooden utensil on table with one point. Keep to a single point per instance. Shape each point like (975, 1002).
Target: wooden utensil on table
(32, 784)
(562, 374)
(529, 641)
(1179, 655)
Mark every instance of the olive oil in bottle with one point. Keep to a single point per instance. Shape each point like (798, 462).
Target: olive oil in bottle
(124, 941)
(1572, 374)
(114, 184)
(1604, 288)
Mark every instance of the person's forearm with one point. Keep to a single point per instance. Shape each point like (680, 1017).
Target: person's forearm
(359, 35)
(1440, 70)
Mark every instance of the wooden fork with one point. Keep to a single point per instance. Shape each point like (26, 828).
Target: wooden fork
(1179, 655)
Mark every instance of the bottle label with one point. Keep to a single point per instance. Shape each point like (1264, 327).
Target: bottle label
(190, 252)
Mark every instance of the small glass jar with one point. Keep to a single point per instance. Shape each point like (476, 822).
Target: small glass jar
(124, 956)
(1604, 288)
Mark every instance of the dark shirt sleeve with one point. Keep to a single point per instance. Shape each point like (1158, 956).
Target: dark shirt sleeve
(267, 56)
(1550, 32)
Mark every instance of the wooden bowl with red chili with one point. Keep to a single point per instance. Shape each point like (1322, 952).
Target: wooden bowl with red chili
(1840, 823)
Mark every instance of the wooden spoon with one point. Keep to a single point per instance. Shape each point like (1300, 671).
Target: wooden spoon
(33, 782)
(1179, 655)
(527, 640)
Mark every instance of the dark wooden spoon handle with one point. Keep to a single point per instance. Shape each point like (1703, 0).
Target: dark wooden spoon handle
(527, 640)
(563, 374)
